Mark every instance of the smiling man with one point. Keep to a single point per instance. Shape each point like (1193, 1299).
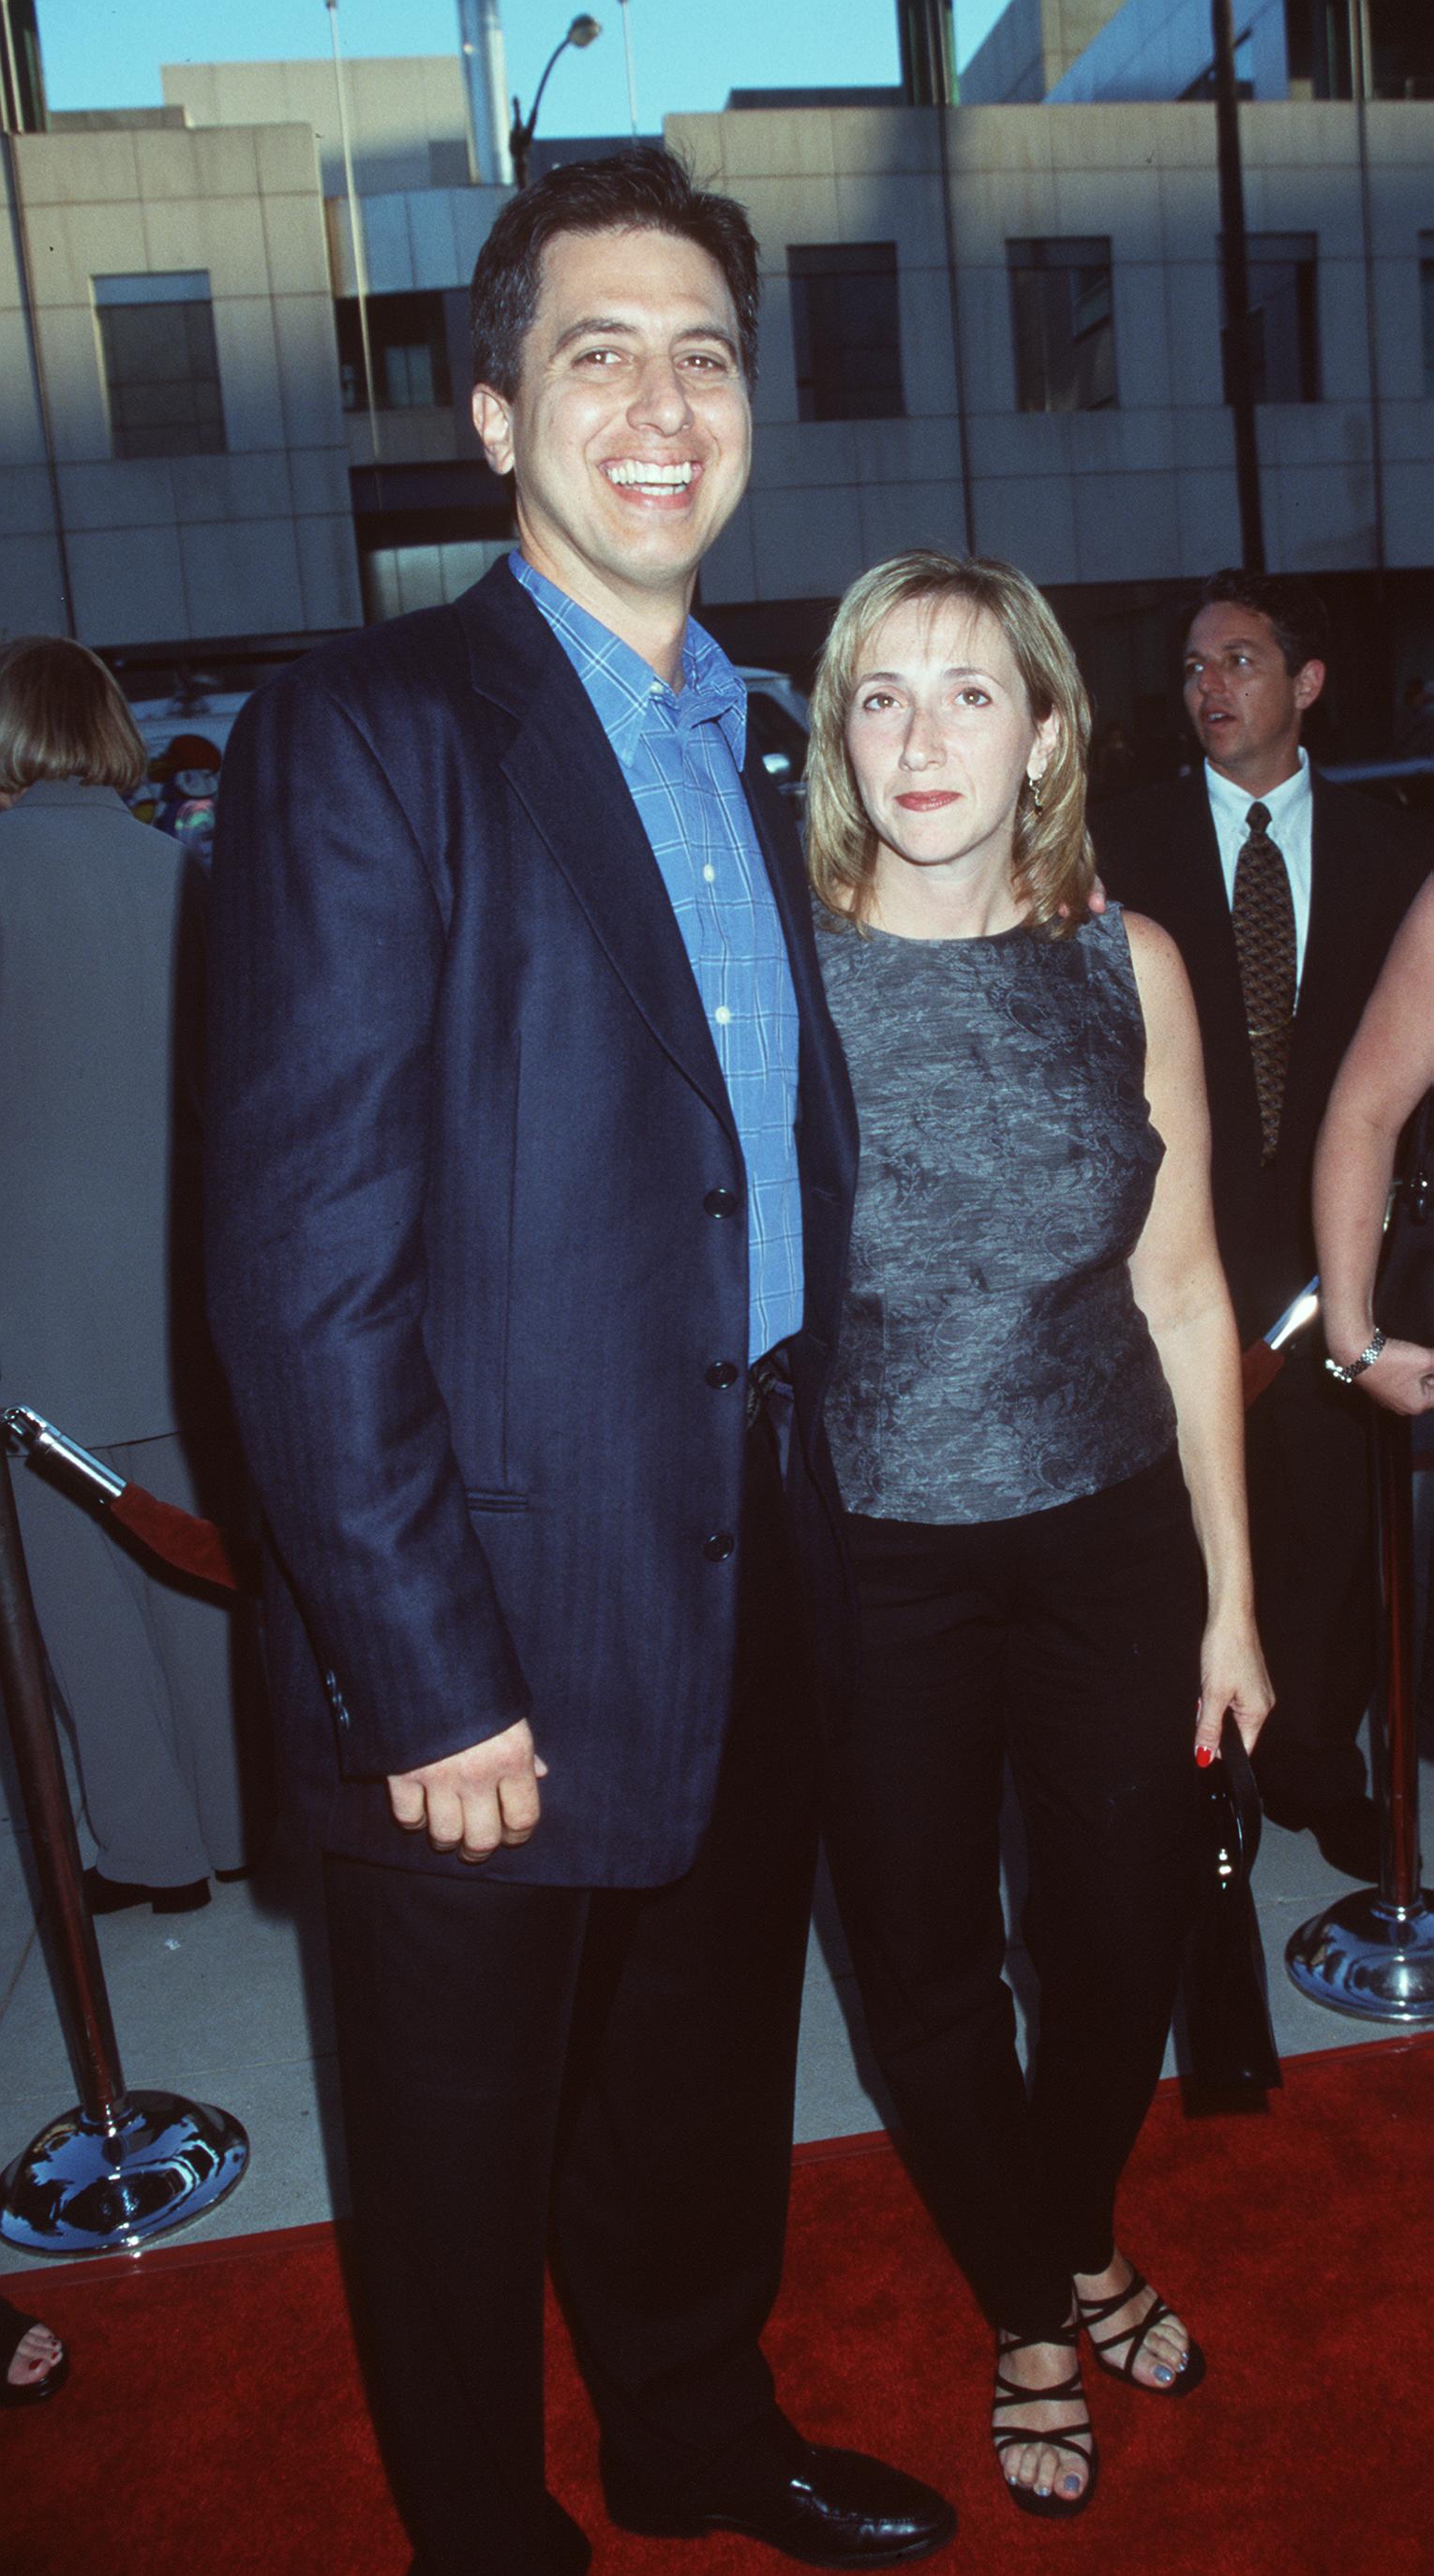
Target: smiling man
(531, 1170)
(1283, 892)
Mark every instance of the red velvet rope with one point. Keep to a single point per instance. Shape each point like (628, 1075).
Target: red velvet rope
(1259, 1368)
(191, 1545)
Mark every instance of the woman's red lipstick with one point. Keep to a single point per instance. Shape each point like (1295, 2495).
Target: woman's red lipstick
(926, 800)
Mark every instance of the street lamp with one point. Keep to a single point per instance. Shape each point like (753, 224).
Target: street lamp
(583, 31)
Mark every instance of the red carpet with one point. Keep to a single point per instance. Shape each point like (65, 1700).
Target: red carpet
(214, 2421)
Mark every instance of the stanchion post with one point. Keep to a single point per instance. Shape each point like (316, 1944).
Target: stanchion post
(83, 2002)
(1399, 1855)
(121, 2167)
(1372, 1954)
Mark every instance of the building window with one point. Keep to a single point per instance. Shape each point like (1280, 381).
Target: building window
(1401, 48)
(160, 364)
(409, 339)
(1284, 319)
(846, 325)
(1064, 325)
(1426, 309)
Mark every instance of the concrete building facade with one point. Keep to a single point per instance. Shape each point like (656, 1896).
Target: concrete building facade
(251, 532)
(997, 326)
(1139, 486)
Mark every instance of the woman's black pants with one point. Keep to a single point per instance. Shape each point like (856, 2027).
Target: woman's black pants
(1067, 1641)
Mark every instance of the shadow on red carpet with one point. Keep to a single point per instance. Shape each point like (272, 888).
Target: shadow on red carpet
(215, 2421)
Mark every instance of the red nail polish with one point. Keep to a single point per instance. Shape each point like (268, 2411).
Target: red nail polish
(1204, 1755)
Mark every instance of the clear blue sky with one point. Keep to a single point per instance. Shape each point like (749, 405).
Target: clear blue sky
(686, 53)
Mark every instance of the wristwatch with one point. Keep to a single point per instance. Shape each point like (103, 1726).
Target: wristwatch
(1356, 1368)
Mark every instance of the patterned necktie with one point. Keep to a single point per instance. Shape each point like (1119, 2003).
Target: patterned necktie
(1264, 917)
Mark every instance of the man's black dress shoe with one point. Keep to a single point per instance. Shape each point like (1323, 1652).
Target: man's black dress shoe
(828, 2508)
(115, 1895)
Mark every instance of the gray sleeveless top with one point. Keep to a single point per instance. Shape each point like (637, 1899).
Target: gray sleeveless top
(992, 1359)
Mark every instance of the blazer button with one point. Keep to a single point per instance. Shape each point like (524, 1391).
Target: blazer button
(723, 1373)
(720, 1544)
(721, 1203)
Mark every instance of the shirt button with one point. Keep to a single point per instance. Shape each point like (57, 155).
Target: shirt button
(723, 1373)
(718, 1546)
(721, 1203)
(721, 1015)
(710, 873)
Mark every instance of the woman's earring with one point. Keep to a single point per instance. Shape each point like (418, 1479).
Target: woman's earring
(1034, 785)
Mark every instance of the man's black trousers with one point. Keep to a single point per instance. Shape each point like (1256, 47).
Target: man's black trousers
(1316, 1590)
(610, 2070)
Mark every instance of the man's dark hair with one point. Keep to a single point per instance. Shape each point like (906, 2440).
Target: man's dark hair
(646, 189)
(1297, 613)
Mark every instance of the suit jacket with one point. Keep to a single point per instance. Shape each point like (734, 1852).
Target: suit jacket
(100, 969)
(477, 1232)
(1158, 853)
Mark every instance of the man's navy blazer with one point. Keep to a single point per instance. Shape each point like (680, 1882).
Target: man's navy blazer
(477, 1233)
(1157, 852)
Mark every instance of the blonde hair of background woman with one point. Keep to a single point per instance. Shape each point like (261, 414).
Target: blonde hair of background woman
(1053, 861)
(64, 715)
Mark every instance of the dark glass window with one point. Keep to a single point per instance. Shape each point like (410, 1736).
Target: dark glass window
(161, 365)
(1284, 318)
(409, 339)
(846, 327)
(1401, 48)
(1064, 324)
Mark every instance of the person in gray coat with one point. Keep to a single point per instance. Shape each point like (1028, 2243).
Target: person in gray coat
(101, 1326)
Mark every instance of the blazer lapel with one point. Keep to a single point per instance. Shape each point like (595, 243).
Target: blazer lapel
(1199, 917)
(828, 1112)
(566, 775)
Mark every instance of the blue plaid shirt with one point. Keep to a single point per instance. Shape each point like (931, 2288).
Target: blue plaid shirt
(681, 754)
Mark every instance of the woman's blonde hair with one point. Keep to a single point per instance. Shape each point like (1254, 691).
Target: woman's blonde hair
(63, 715)
(1054, 864)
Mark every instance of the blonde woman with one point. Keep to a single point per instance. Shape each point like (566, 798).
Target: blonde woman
(1035, 1415)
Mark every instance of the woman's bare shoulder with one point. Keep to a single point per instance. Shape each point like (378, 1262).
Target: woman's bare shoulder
(1150, 946)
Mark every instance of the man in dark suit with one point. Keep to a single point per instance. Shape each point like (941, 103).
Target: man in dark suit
(1283, 892)
(532, 1161)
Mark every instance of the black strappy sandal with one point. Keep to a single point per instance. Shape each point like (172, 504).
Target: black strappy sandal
(1098, 2312)
(13, 2329)
(1079, 2439)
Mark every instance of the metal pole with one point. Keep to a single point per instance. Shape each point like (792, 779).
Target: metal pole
(121, 2167)
(927, 29)
(520, 141)
(485, 69)
(356, 238)
(1372, 1954)
(1235, 263)
(74, 1956)
(627, 56)
(14, 115)
(1359, 80)
(1399, 1856)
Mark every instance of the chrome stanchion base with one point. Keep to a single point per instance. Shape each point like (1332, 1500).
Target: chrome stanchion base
(1369, 1957)
(106, 2187)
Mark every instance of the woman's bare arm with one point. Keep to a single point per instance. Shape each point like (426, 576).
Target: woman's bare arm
(1389, 1067)
(1180, 1288)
